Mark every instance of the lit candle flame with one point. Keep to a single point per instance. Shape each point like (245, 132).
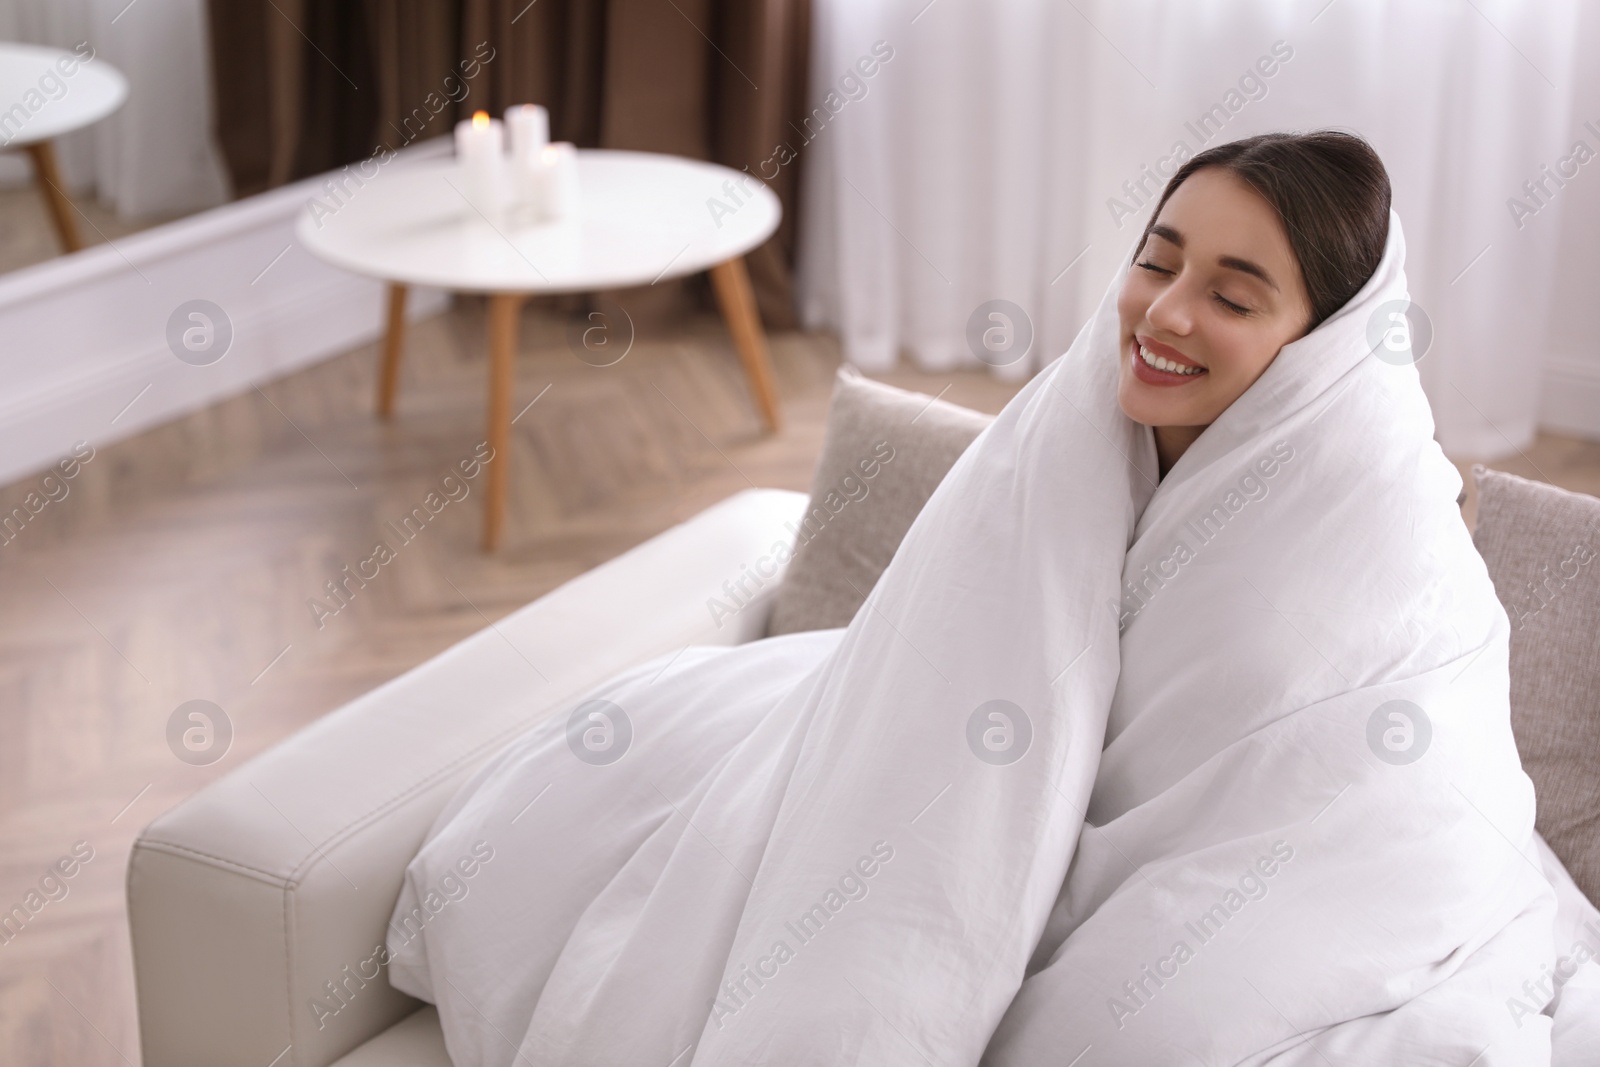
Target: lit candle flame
(480, 120)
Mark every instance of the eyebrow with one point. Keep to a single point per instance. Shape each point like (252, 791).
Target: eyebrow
(1244, 266)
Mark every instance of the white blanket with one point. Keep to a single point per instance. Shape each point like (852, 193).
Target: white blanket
(1278, 817)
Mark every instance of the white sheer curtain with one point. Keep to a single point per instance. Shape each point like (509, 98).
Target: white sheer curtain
(155, 156)
(984, 158)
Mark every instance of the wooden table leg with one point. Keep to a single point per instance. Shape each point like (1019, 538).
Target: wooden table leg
(393, 339)
(503, 311)
(738, 302)
(48, 175)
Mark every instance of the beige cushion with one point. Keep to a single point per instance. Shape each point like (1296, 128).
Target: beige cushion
(885, 452)
(1540, 544)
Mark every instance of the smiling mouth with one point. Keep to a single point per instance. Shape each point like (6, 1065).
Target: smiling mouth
(1157, 368)
(1171, 366)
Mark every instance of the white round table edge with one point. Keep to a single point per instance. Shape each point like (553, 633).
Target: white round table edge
(308, 234)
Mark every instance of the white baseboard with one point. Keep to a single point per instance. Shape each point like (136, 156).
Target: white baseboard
(1570, 401)
(83, 349)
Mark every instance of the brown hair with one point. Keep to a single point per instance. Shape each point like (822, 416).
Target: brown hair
(1332, 194)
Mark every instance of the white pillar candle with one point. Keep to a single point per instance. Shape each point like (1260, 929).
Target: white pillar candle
(559, 188)
(529, 127)
(480, 155)
(530, 132)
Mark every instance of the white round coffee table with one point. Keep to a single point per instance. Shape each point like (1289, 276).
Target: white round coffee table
(45, 93)
(641, 218)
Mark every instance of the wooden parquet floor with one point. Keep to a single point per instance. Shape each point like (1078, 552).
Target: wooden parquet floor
(180, 564)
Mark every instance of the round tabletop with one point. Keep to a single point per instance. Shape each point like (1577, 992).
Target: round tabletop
(641, 217)
(40, 100)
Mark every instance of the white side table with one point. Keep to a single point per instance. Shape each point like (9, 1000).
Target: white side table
(44, 94)
(642, 217)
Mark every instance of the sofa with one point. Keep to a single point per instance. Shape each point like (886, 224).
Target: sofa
(257, 905)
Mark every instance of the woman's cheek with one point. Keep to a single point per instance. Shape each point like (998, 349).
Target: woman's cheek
(1241, 357)
(1132, 299)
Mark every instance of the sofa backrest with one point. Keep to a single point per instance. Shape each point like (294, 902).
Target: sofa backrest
(1540, 544)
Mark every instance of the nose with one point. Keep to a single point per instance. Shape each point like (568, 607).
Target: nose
(1172, 311)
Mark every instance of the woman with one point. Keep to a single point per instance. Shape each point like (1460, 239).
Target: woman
(1321, 199)
(1176, 731)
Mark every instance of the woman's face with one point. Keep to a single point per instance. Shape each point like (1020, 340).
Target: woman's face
(1212, 296)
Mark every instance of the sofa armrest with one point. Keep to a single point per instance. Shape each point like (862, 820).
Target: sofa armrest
(268, 891)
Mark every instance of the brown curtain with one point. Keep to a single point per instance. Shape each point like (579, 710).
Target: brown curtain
(304, 86)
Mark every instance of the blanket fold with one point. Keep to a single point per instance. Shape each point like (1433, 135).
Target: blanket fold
(1211, 768)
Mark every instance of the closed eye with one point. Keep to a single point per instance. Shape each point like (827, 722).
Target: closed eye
(1237, 309)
